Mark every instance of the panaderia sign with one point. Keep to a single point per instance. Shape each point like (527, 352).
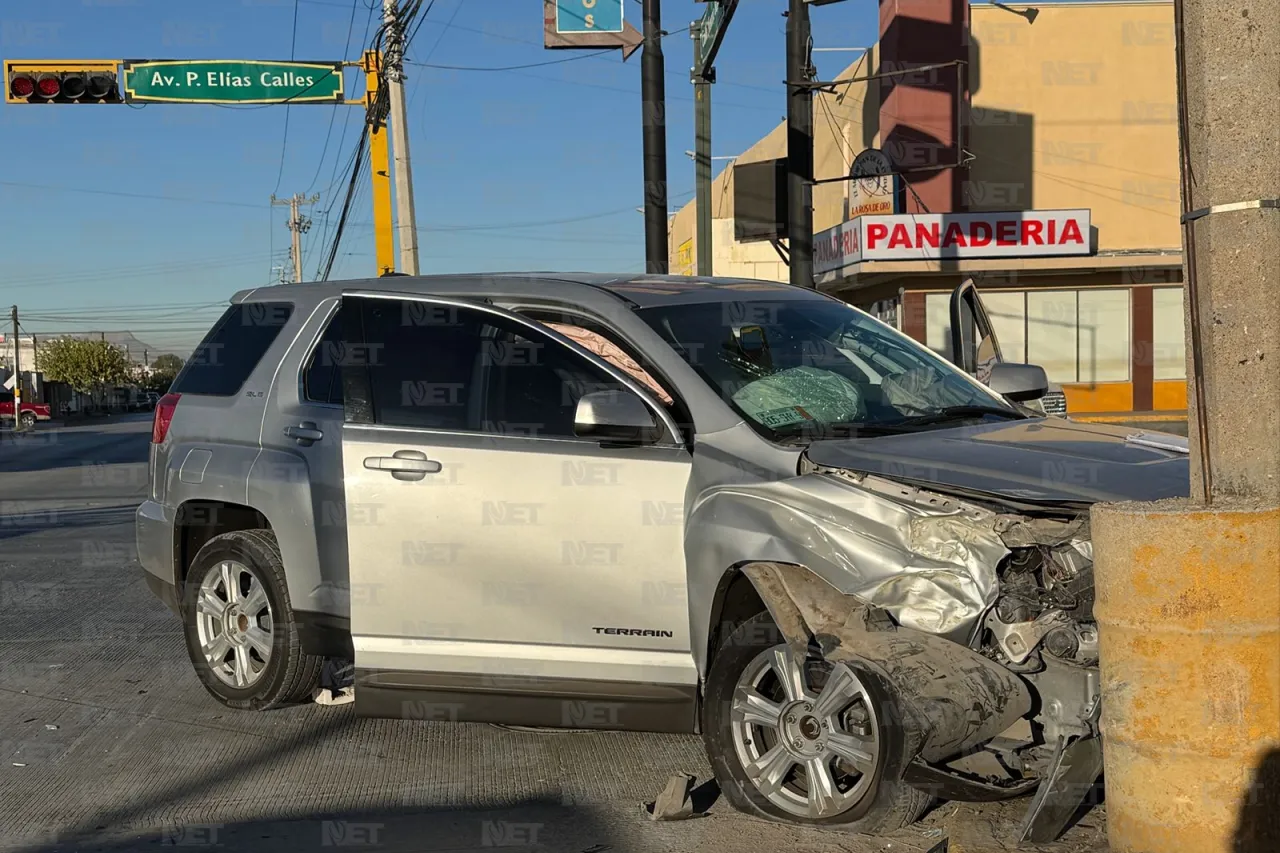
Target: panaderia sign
(938, 236)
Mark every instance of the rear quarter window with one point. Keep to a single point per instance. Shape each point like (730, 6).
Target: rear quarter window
(227, 356)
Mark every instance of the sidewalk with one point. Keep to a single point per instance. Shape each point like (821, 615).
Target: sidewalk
(1174, 422)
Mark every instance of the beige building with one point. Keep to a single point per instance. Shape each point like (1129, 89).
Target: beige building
(1057, 112)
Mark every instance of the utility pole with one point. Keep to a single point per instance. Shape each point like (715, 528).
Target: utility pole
(708, 34)
(298, 225)
(17, 374)
(799, 145)
(702, 155)
(406, 219)
(654, 95)
(1167, 663)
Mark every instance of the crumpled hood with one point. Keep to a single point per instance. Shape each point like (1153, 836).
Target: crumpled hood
(1041, 460)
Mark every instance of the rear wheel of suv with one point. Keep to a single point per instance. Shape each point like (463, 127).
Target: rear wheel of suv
(28, 420)
(240, 630)
(805, 741)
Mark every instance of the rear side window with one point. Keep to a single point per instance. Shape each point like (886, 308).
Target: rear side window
(322, 381)
(227, 356)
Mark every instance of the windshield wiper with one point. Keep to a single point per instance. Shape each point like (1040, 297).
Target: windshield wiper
(956, 413)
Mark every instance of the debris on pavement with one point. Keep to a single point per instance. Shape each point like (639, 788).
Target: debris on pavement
(676, 800)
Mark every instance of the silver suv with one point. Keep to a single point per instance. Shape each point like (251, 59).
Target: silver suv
(661, 504)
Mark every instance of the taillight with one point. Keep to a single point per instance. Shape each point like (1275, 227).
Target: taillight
(163, 417)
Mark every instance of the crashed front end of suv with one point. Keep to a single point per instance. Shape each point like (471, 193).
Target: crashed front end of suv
(957, 567)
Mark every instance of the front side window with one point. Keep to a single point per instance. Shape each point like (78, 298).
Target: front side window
(804, 368)
(444, 367)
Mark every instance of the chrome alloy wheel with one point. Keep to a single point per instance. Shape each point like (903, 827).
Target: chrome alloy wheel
(233, 622)
(806, 732)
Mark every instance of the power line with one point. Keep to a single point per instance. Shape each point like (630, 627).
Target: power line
(346, 47)
(117, 194)
(284, 144)
(509, 67)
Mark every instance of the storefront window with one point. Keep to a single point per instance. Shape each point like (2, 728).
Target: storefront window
(1007, 310)
(1168, 341)
(1104, 335)
(937, 323)
(1075, 335)
(1051, 333)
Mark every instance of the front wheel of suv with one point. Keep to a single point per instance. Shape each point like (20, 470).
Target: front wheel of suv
(806, 741)
(240, 630)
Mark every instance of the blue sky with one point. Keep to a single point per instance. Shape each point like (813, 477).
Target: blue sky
(558, 144)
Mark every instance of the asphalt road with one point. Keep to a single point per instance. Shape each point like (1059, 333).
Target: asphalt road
(108, 741)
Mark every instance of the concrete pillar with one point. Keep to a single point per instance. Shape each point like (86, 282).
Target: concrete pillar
(1232, 57)
(1188, 593)
(1188, 609)
(921, 113)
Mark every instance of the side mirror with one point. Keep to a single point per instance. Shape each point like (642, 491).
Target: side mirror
(1018, 382)
(974, 346)
(615, 416)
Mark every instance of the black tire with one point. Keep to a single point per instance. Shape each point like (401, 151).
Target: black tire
(289, 675)
(890, 804)
(28, 420)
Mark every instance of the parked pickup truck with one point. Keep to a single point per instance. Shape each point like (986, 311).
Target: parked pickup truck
(31, 412)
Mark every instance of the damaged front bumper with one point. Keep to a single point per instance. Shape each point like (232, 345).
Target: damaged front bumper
(980, 619)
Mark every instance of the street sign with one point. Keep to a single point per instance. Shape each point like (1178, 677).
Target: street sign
(871, 162)
(232, 81)
(596, 36)
(589, 16)
(708, 33)
(874, 188)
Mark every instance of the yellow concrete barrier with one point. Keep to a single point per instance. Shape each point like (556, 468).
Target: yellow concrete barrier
(1188, 609)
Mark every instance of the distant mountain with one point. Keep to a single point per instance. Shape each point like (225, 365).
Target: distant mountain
(127, 341)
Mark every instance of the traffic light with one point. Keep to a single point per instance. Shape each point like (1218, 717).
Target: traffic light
(62, 81)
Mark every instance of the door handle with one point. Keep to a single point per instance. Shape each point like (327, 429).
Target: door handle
(304, 433)
(404, 464)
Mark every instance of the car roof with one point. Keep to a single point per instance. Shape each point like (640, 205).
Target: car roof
(640, 291)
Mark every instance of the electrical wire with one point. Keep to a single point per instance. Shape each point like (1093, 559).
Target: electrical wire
(358, 161)
(118, 194)
(509, 67)
(284, 144)
(346, 47)
(346, 206)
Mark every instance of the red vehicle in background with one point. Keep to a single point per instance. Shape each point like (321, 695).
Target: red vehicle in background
(31, 412)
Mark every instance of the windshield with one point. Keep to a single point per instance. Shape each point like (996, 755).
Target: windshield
(808, 368)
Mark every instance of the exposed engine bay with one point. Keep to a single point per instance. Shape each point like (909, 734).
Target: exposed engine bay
(985, 628)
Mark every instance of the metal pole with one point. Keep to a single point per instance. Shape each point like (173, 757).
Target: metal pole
(406, 219)
(702, 161)
(17, 374)
(653, 93)
(799, 146)
(384, 245)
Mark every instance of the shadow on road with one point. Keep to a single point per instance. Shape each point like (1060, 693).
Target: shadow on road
(29, 519)
(528, 824)
(137, 821)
